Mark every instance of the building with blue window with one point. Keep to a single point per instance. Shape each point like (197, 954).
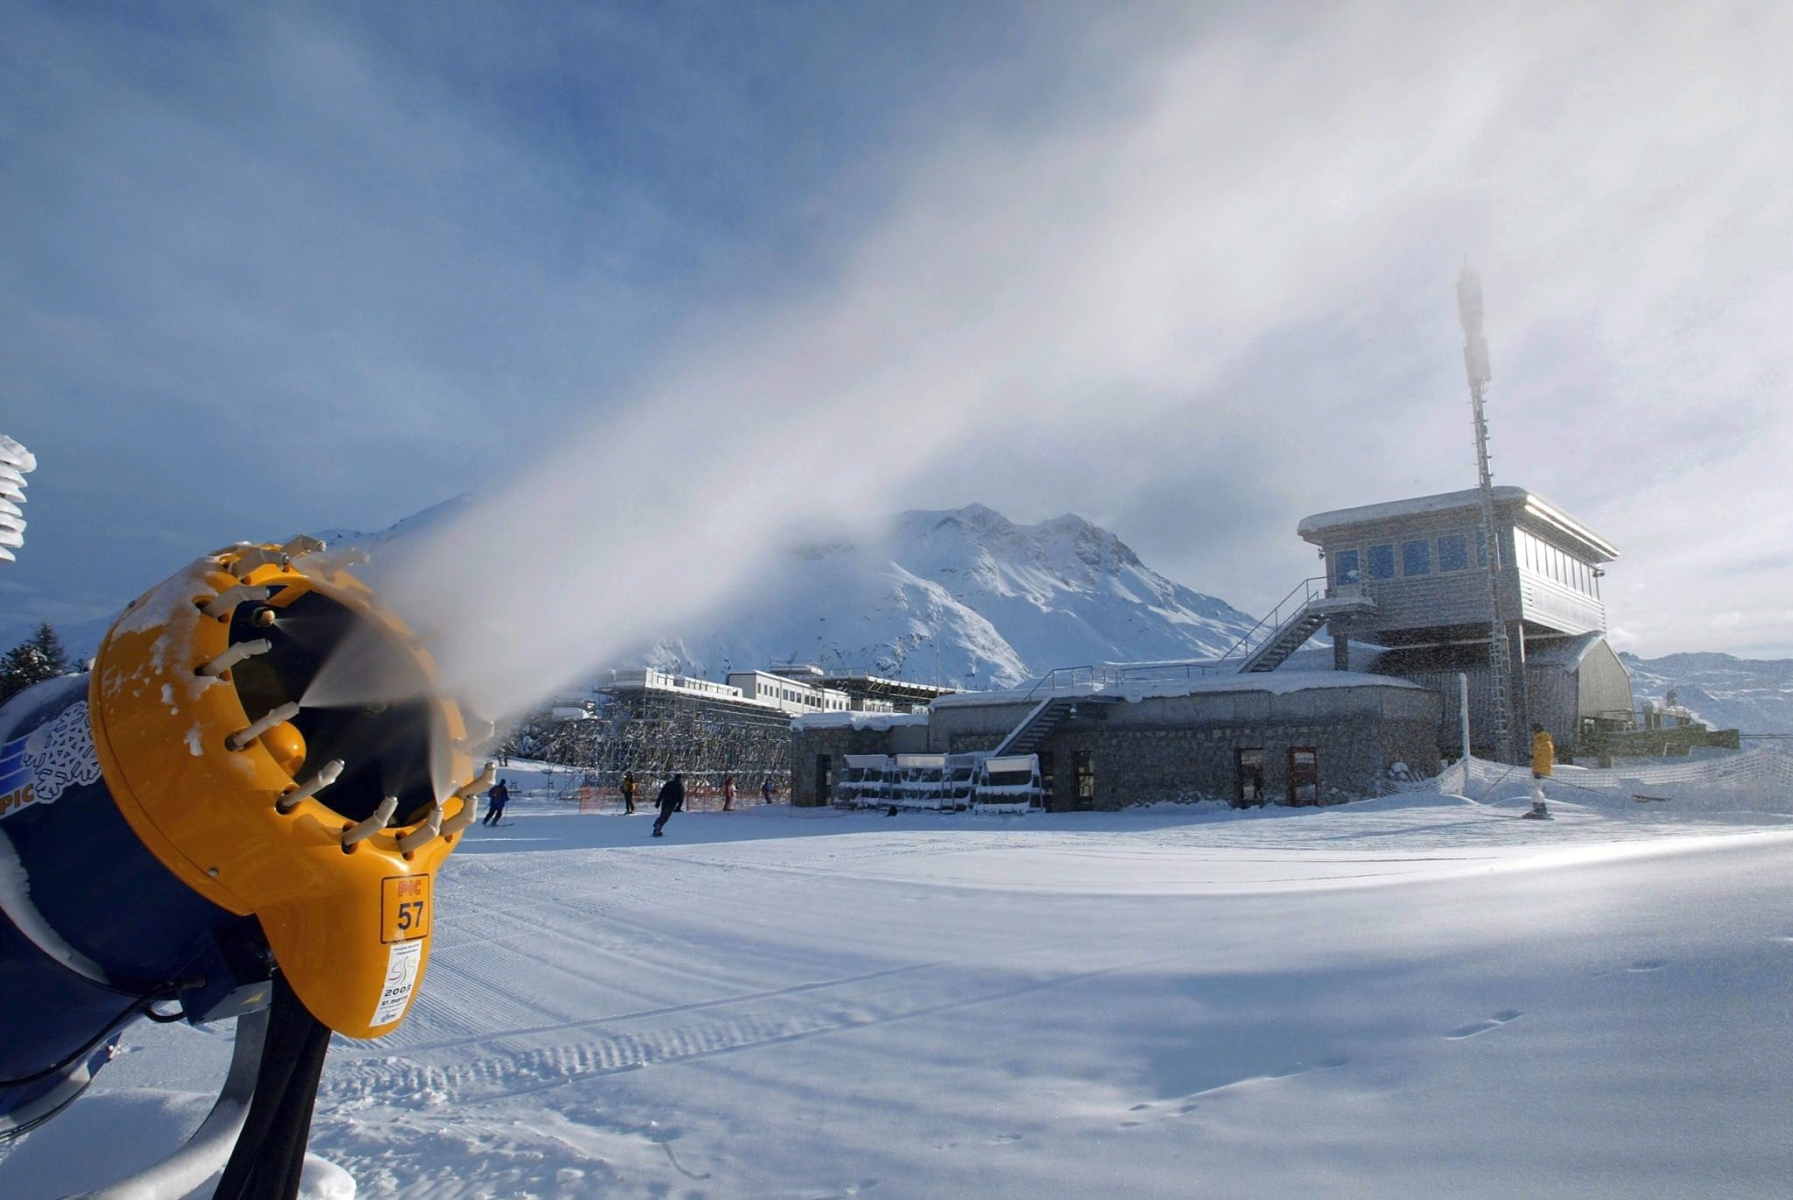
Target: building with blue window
(1420, 567)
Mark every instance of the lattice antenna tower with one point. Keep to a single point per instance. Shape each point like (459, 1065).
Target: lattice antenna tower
(1500, 653)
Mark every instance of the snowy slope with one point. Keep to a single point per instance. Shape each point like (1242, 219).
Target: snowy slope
(1407, 997)
(1007, 601)
(381, 543)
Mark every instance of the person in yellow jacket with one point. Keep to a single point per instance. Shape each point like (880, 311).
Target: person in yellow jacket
(1543, 758)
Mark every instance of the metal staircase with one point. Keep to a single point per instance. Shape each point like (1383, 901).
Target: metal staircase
(1053, 700)
(1295, 619)
(1040, 723)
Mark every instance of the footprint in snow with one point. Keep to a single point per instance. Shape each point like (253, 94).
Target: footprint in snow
(1475, 1027)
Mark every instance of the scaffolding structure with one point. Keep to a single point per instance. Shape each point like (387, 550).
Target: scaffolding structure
(653, 733)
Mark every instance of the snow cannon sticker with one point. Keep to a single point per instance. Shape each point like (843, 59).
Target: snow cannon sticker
(402, 962)
(48, 761)
(404, 907)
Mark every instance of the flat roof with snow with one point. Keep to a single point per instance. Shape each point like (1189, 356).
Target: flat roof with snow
(1513, 503)
(1279, 683)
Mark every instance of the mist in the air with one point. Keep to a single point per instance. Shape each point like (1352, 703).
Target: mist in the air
(1276, 181)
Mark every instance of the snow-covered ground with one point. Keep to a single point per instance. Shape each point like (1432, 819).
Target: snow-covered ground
(1411, 996)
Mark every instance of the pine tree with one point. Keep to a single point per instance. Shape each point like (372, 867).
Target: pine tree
(33, 660)
(49, 645)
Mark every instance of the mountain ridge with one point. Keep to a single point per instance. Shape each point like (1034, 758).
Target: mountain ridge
(964, 596)
(970, 598)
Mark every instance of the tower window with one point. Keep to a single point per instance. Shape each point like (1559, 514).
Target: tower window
(1382, 561)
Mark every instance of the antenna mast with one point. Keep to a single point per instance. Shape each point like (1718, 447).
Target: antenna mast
(1500, 653)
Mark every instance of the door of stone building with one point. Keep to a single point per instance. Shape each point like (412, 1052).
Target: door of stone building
(1047, 790)
(1304, 775)
(824, 779)
(1083, 767)
(1248, 777)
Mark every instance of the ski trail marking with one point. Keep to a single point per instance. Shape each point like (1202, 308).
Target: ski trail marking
(1474, 1027)
(667, 1146)
(483, 1080)
(1648, 964)
(1288, 1072)
(669, 1010)
(855, 1189)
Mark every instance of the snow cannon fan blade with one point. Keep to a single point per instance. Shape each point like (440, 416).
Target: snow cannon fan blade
(177, 827)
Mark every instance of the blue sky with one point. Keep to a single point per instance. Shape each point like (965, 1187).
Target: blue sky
(1184, 270)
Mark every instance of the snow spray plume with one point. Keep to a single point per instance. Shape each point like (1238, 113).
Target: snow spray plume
(1113, 273)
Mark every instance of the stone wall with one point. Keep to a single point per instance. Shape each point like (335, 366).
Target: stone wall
(834, 743)
(1184, 747)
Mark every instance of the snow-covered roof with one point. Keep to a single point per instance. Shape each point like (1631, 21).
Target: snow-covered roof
(1278, 683)
(866, 680)
(858, 720)
(1565, 653)
(1512, 501)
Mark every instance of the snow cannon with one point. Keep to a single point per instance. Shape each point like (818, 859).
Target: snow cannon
(186, 835)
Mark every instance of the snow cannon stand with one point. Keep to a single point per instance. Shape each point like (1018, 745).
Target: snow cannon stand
(184, 837)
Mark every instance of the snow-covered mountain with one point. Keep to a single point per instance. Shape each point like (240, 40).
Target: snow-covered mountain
(1752, 695)
(398, 534)
(965, 596)
(975, 600)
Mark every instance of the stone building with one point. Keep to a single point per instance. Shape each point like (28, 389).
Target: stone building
(1290, 737)
(1418, 572)
(1409, 601)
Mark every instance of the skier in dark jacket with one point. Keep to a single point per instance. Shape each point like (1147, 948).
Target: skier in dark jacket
(497, 798)
(672, 798)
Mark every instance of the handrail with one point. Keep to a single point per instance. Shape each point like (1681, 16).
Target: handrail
(1114, 675)
(1275, 619)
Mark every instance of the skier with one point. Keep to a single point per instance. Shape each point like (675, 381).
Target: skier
(1543, 758)
(766, 791)
(499, 796)
(628, 793)
(672, 798)
(728, 793)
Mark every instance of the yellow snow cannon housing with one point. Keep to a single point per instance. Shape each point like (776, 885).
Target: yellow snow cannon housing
(325, 823)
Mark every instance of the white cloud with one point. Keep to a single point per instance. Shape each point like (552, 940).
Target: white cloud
(1274, 201)
(1201, 288)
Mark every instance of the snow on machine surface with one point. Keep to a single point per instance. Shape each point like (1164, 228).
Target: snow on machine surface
(185, 834)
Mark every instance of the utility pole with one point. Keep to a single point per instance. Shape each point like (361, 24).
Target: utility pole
(1500, 652)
